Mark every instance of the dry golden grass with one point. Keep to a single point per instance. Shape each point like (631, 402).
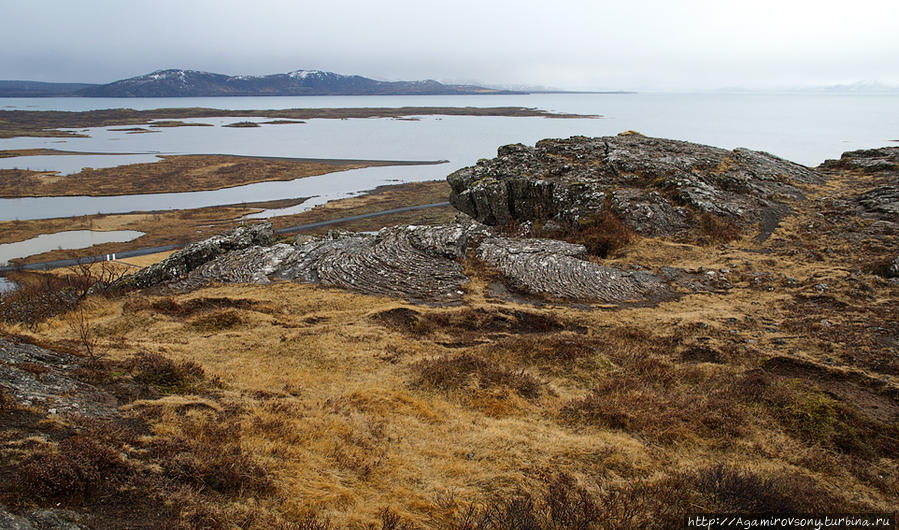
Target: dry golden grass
(169, 175)
(334, 408)
(349, 405)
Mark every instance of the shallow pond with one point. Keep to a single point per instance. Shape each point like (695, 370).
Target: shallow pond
(72, 239)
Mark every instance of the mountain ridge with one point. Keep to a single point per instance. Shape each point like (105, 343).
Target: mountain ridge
(194, 83)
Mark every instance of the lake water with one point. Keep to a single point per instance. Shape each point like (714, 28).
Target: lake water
(72, 239)
(6, 285)
(805, 128)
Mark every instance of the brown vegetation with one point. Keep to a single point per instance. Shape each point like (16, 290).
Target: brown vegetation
(297, 406)
(48, 123)
(172, 174)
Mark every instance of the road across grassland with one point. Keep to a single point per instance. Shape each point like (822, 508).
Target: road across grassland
(47, 265)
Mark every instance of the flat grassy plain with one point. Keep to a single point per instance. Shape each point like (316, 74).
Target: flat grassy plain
(299, 406)
(50, 123)
(172, 174)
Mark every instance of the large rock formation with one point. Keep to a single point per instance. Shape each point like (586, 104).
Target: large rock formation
(424, 264)
(181, 263)
(884, 159)
(412, 262)
(656, 186)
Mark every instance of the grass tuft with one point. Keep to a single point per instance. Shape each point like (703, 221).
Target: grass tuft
(464, 370)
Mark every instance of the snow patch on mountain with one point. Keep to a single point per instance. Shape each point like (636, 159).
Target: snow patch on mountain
(315, 74)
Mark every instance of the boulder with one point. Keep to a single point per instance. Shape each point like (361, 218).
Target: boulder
(656, 186)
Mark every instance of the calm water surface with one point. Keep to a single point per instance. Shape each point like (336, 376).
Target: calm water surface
(805, 128)
(72, 239)
(6, 285)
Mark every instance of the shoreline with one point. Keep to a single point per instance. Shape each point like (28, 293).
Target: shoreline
(177, 174)
(19, 123)
(171, 227)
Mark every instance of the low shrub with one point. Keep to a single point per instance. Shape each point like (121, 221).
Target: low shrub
(79, 468)
(37, 300)
(459, 371)
(468, 320)
(207, 454)
(714, 229)
(164, 374)
(217, 321)
(562, 503)
(602, 233)
(635, 403)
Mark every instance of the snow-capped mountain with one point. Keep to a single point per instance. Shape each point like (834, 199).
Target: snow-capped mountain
(175, 83)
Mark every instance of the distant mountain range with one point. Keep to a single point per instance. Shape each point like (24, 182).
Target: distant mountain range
(30, 89)
(859, 87)
(191, 83)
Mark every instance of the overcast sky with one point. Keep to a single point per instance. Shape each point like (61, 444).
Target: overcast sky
(572, 44)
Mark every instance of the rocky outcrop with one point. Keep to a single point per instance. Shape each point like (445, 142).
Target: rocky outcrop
(871, 161)
(656, 186)
(181, 263)
(881, 202)
(36, 377)
(561, 270)
(423, 263)
(412, 262)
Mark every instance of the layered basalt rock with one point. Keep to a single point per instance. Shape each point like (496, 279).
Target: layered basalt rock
(181, 263)
(656, 186)
(561, 270)
(412, 262)
(424, 264)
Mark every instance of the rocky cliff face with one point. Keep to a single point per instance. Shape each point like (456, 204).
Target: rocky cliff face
(656, 186)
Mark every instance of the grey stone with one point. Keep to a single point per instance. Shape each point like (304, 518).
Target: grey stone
(412, 262)
(42, 378)
(656, 186)
(893, 269)
(884, 159)
(560, 270)
(181, 263)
